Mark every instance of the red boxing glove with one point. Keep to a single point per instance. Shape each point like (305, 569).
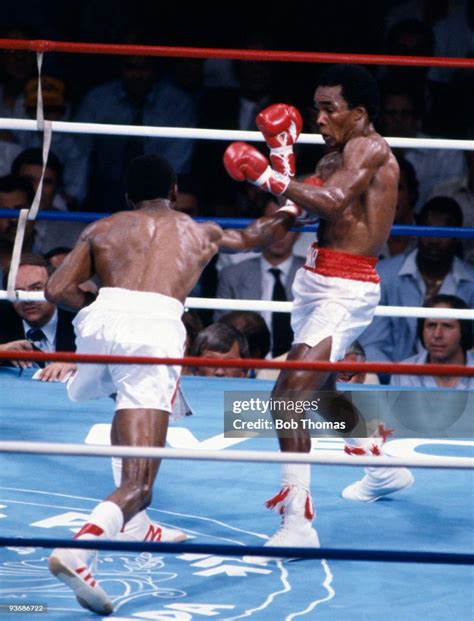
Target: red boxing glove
(281, 125)
(244, 163)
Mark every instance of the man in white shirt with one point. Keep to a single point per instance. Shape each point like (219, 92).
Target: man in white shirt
(447, 341)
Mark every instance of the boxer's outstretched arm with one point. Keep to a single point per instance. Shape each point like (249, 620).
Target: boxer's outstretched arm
(257, 235)
(62, 287)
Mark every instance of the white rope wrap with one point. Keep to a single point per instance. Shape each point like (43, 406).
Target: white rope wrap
(215, 134)
(277, 307)
(261, 457)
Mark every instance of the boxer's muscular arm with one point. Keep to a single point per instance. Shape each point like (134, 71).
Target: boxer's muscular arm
(257, 235)
(361, 159)
(62, 287)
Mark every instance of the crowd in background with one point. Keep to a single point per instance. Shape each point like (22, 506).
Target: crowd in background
(85, 172)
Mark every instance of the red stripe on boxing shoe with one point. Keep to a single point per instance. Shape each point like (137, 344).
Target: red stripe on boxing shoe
(384, 432)
(89, 529)
(80, 570)
(154, 533)
(354, 450)
(375, 450)
(282, 494)
(308, 508)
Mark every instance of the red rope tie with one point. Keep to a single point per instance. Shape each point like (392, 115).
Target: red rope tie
(89, 529)
(354, 450)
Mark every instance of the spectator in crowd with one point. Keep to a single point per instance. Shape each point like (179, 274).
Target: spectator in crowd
(266, 277)
(356, 353)
(47, 233)
(220, 341)
(233, 108)
(27, 326)
(65, 146)
(57, 255)
(411, 278)
(253, 327)
(447, 341)
(404, 210)
(402, 112)
(16, 68)
(15, 194)
(138, 97)
(6, 251)
(461, 189)
(453, 37)
(414, 37)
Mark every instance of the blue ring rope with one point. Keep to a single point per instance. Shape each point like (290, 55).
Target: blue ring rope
(240, 223)
(335, 554)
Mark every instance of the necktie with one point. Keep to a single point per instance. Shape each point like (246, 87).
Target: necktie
(36, 335)
(282, 334)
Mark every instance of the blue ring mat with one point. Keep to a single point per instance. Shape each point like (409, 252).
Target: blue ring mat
(47, 496)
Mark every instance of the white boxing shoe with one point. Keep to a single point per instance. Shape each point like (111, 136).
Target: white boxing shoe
(155, 532)
(294, 505)
(377, 483)
(69, 567)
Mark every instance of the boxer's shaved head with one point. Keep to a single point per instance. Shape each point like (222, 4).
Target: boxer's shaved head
(149, 177)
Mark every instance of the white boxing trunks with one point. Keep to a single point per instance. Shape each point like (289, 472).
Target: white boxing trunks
(335, 294)
(132, 323)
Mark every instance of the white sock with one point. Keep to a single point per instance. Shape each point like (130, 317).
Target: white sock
(104, 522)
(296, 474)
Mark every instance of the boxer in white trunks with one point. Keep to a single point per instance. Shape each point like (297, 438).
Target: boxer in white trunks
(147, 260)
(335, 294)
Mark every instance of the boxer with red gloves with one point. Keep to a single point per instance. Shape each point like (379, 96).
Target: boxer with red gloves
(338, 289)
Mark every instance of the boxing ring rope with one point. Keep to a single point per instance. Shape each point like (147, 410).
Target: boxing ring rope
(457, 370)
(335, 554)
(410, 230)
(42, 46)
(150, 131)
(276, 307)
(255, 457)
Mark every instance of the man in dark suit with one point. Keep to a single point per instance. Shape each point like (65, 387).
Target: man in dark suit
(36, 325)
(266, 277)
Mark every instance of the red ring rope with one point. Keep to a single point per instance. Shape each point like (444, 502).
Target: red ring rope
(249, 363)
(205, 52)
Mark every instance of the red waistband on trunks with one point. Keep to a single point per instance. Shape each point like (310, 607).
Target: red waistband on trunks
(328, 262)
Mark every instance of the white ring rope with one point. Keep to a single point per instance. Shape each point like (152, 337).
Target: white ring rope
(260, 457)
(278, 307)
(214, 134)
